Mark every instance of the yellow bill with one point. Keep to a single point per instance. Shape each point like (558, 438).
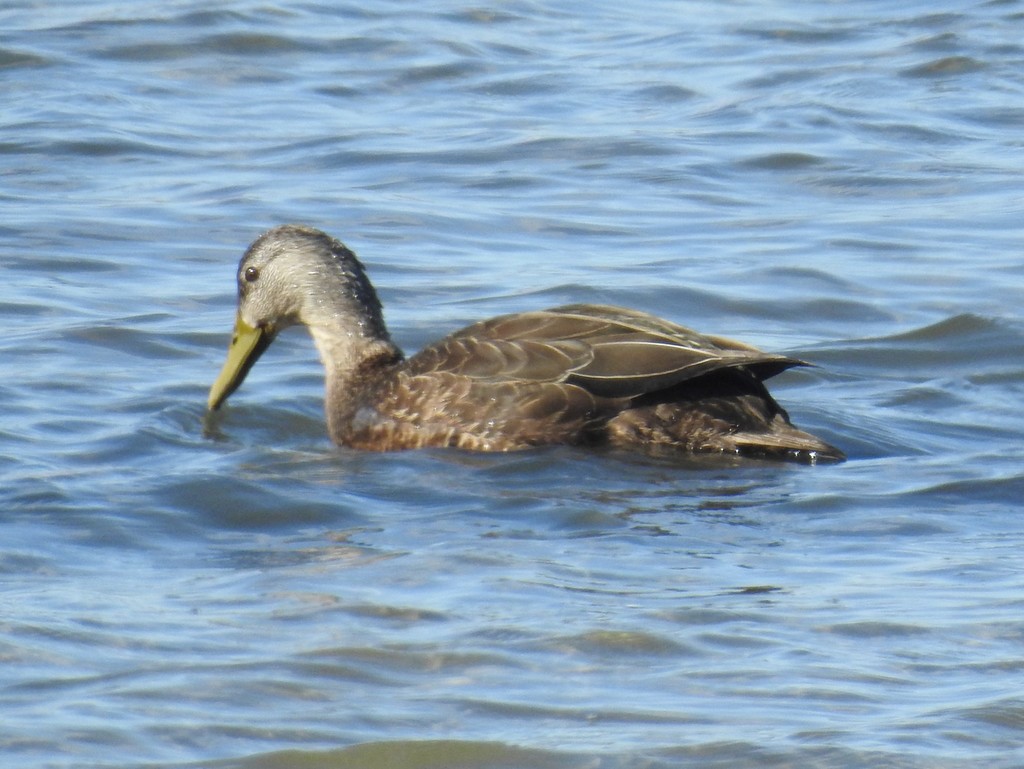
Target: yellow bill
(247, 345)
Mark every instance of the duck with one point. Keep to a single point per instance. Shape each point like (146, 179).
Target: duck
(578, 374)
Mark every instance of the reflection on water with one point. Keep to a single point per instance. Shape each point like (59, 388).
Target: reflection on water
(835, 183)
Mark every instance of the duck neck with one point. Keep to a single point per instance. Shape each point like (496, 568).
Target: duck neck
(354, 360)
(346, 352)
(345, 318)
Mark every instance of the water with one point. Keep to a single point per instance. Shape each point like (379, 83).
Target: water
(835, 181)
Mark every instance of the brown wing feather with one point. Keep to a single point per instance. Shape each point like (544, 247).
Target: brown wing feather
(609, 351)
(500, 360)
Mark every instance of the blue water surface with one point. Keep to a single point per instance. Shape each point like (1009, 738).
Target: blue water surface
(836, 181)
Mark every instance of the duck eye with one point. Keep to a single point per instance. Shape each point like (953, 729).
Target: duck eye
(251, 274)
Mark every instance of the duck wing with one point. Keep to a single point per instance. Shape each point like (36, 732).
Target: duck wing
(610, 352)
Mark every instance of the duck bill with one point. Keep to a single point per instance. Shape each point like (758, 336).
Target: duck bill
(247, 345)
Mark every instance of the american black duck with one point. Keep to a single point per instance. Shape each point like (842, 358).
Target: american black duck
(577, 374)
